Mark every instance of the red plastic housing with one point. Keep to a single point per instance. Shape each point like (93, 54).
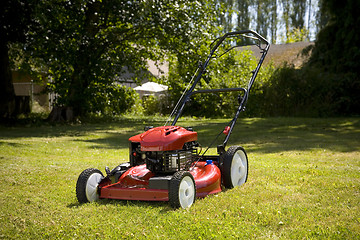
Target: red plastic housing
(134, 184)
(165, 138)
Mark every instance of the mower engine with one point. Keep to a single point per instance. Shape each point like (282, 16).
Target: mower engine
(166, 149)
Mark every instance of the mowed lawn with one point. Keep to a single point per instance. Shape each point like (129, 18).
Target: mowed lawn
(304, 183)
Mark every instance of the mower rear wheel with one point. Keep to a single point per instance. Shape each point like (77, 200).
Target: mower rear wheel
(235, 167)
(87, 185)
(182, 192)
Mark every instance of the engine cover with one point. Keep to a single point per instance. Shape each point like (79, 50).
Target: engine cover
(165, 138)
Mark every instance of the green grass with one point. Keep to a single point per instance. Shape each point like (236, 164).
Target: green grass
(304, 183)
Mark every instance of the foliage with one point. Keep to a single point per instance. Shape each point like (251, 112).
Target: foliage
(296, 35)
(309, 92)
(292, 92)
(337, 47)
(232, 70)
(151, 105)
(303, 183)
(329, 83)
(85, 45)
(12, 30)
(264, 16)
(155, 105)
(112, 100)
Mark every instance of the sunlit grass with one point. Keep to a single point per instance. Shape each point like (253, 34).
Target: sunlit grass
(304, 182)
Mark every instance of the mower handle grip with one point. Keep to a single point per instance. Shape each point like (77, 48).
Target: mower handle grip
(219, 40)
(258, 36)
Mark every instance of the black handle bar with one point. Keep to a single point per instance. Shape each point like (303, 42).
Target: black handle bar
(202, 68)
(218, 90)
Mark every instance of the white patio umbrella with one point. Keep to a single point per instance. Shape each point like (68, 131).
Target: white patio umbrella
(151, 88)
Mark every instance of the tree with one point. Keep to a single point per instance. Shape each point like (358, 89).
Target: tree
(263, 15)
(322, 16)
(224, 10)
(337, 52)
(12, 29)
(329, 83)
(84, 45)
(273, 21)
(297, 16)
(243, 16)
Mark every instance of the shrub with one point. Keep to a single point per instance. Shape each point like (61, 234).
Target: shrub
(310, 92)
(113, 100)
(232, 70)
(154, 105)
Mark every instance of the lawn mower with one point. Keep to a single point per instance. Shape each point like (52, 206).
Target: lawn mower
(165, 162)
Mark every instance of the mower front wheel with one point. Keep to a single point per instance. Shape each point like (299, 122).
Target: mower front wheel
(235, 167)
(182, 192)
(87, 185)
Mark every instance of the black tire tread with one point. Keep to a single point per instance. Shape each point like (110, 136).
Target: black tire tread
(226, 169)
(174, 188)
(81, 184)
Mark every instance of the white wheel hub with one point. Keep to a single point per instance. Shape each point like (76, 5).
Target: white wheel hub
(91, 187)
(238, 169)
(186, 192)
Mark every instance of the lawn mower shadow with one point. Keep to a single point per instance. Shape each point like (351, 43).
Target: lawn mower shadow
(163, 207)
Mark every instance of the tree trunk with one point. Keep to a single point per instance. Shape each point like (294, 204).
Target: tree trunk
(7, 92)
(61, 114)
(77, 100)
